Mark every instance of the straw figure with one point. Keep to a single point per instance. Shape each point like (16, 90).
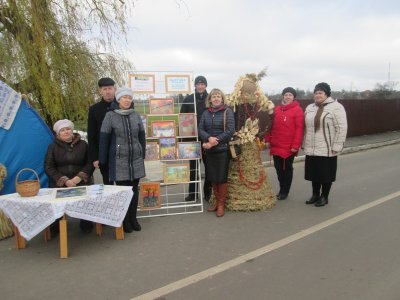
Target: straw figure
(6, 229)
(249, 189)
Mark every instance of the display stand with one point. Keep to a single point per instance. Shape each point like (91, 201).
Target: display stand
(171, 143)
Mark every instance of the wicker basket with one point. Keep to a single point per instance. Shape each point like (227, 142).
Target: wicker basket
(27, 188)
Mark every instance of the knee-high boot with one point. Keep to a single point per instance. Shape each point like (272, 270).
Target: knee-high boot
(213, 207)
(223, 191)
(133, 213)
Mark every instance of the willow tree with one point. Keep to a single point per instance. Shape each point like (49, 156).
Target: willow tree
(55, 51)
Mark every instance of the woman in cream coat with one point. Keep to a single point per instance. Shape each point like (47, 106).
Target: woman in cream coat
(325, 134)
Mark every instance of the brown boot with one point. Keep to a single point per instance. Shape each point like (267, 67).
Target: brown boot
(223, 191)
(213, 207)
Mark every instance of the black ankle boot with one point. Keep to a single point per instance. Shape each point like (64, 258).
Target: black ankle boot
(314, 198)
(321, 201)
(282, 196)
(135, 225)
(127, 225)
(86, 226)
(132, 212)
(54, 228)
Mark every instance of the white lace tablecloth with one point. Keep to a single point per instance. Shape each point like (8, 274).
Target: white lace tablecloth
(32, 215)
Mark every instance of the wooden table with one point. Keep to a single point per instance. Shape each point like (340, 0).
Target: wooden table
(32, 215)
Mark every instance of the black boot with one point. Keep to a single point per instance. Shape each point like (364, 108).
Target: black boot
(207, 189)
(314, 198)
(132, 211)
(127, 224)
(207, 193)
(190, 197)
(321, 201)
(282, 196)
(86, 226)
(55, 228)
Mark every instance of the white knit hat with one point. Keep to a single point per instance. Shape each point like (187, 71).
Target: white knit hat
(62, 124)
(123, 91)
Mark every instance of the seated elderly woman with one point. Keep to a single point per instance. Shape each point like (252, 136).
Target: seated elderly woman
(67, 163)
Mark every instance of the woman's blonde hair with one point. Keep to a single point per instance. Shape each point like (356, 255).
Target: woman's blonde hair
(215, 91)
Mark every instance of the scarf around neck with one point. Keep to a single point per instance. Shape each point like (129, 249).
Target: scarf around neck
(215, 109)
(124, 112)
(317, 118)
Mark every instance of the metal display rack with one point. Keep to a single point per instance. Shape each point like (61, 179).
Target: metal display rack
(167, 198)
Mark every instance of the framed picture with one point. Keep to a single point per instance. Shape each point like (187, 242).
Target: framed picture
(163, 129)
(167, 148)
(189, 150)
(187, 125)
(142, 83)
(71, 192)
(177, 84)
(144, 121)
(150, 195)
(176, 173)
(162, 106)
(152, 152)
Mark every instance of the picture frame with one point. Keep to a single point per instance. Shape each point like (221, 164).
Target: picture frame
(161, 106)
(187, 125)
(149, 195)
(188, 150)
(177, 83)
(71, 192)
(167, 148)
(142, 83)
(152, 151)
(163, 128)
(176, 173)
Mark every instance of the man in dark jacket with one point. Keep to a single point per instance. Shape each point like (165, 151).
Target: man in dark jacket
(196, 103)
(96, 116)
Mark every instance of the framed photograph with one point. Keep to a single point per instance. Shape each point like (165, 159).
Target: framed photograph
(150, 195)
(176, 173)
(142, 83)
(189, 150)
(163, 129)
(162, 106)
(178, 84)
(187, 125)
(144, 121)
(167, 148)
(152, 152)
(71, 192)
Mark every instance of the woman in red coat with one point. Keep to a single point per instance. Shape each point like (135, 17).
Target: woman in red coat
(285, 139)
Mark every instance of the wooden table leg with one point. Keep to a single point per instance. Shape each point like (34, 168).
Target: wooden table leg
(19, 239)
(99, 229)
(63, 238)
(119, 233)
(47, 234)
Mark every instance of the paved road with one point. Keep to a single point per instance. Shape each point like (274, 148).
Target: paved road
(353, 258)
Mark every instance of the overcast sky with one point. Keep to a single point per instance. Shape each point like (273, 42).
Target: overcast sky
(348, 44)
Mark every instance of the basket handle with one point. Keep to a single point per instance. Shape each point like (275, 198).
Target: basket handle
(26, 169)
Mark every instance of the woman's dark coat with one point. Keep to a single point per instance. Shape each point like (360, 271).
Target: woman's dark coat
(123, 146)
(65, 160)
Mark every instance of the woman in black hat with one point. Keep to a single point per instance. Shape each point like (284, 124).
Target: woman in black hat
(325, 134)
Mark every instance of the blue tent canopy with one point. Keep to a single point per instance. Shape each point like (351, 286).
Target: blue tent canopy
(24, 145)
